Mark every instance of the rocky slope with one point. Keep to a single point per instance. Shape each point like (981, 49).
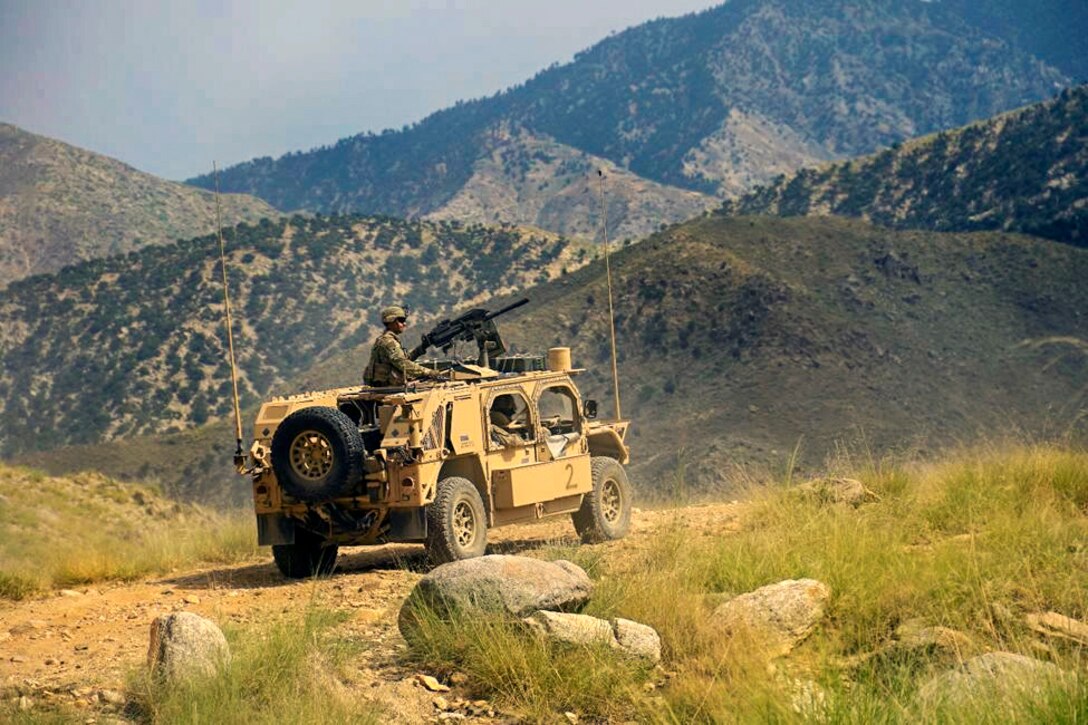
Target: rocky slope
(1026, 171)
(135, 343)
(60, 204)
(713, 102)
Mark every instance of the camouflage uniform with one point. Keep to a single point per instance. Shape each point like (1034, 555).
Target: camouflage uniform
(501, 420)
(389, 364)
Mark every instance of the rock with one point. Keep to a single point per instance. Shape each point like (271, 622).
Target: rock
(571, 717)
(431, 683)
(185, 645)
(111, 697)
(916, 634)
(990, 678)
(496, 584)
(572, 628)
(18, 659)
(70, 593)
(838, 490)
(630, 638)
(441, 703)
(191, 599)
(780, 615)
(1053, 624)
(638, 640)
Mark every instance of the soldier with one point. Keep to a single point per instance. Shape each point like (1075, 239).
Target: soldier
(502, 418)
(389, 364)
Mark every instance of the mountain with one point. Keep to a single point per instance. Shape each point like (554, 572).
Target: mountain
(714, 102)
(133, 344)
(743, 338)
(1051, 30)
(1025, 171)
(60, 204)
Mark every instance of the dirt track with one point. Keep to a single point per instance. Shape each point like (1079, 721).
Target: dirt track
(77, 645)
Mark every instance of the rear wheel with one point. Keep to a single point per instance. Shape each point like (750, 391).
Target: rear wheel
(605, 514)
(309, 556)
(317, 454)
(456, 522)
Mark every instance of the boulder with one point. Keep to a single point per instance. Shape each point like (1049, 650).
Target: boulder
(637, 640)
(185, 645)
(515, 586)
(838, 490)
(991, 678)
(579, 629)
(630, 638)
(780, 616)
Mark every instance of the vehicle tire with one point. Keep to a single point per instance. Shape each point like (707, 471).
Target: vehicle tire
(456, 522)
(605, 514)
(317, 454)
(309, 556)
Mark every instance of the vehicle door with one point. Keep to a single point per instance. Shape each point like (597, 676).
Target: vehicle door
(562, 452)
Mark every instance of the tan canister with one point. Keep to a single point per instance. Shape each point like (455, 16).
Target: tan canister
(559, 359)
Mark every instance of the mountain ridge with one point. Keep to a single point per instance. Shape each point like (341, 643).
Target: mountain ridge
(663, 100)
(61, 204)
(1024, 170)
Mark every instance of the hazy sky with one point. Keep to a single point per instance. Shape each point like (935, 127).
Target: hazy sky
(170, 86)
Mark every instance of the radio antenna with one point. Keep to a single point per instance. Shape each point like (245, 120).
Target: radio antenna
(611, 311)
(239, 458)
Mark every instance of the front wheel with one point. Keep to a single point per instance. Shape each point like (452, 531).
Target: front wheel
(456, 522)
(605, 514)
(309, 556)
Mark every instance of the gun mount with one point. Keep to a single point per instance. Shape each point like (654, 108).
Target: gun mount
(475, 325)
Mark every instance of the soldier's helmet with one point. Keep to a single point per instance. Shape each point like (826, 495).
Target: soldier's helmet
(391, 313)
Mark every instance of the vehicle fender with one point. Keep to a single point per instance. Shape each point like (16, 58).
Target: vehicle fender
(607, 442)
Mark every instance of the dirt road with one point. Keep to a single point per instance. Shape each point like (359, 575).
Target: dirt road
(76, 646)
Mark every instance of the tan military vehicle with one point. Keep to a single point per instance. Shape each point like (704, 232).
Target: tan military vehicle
(438, 461)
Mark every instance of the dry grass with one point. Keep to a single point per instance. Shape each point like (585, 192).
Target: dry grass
(287, 672)
(57, 532)
(973, 542)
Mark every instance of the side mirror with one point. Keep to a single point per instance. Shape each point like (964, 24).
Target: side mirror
(589, 409)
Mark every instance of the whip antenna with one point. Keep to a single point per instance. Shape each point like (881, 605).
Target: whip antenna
(239, 457)
(611, 312)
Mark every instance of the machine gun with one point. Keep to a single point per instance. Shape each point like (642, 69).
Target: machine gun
(476, 324)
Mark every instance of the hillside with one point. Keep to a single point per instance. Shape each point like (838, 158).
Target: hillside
(60, 204)
(135, 343)
(714, 102)
(1048, 29)
(741, 339)
(67, 531)
(1024, 171)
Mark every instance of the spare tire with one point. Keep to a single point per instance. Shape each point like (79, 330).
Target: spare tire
(317, 454)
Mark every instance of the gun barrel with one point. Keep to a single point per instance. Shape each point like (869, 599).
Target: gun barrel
(504, 310)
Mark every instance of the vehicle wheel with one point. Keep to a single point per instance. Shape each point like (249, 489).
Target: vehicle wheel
(456, 522)
(309, 556)
(606, 510)
(317, 454)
